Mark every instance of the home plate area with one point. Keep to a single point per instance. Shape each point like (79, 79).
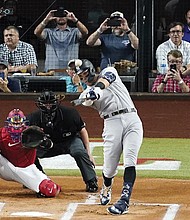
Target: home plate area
(67, 162)
(152, 199)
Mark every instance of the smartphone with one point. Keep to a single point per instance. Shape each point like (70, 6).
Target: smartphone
(114, 23)
(60, 13)
(2, 75)
(173, 67)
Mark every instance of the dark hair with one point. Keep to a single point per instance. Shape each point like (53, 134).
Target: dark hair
(173, 24)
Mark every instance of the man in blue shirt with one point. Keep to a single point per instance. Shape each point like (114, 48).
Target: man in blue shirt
(119, 45)
(8, 84)
(73, 83)
(62, 42)
(186, 35)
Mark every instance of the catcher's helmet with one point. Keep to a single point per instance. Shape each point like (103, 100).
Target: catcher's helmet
(47, 102)
(86, 65)
(16, 122)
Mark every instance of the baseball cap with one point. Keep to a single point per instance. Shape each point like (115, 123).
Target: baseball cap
(116, 14)
(3, 62)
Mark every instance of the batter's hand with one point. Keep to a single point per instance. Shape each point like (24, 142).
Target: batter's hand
(94, 94)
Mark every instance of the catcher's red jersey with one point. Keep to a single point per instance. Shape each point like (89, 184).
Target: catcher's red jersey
(14, 152)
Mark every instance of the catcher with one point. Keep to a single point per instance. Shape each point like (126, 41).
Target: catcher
(18, 144)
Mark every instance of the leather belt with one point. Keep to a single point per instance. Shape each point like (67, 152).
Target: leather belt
(122, 111)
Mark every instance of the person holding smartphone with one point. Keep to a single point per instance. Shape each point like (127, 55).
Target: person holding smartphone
(173, 80)
(120, 44)
(62, 42)
(7, 84)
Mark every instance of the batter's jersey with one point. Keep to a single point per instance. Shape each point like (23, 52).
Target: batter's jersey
(14, 151)
(115, 97)
(66, 124)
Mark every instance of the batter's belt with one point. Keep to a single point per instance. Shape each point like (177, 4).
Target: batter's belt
(122, 111)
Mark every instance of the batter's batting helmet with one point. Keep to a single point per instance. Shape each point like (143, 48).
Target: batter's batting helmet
(86, 65)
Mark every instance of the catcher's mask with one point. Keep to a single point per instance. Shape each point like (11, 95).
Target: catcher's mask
(85, 68)
(48, 102)
(16, 122)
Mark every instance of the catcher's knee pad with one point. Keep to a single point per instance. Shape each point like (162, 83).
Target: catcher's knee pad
(49, 189)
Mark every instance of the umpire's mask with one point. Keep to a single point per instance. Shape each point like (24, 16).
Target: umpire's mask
(47, 102)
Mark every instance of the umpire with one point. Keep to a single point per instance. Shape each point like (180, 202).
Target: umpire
(68, 134)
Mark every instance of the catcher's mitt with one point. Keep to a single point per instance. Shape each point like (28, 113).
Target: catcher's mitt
(32, 137)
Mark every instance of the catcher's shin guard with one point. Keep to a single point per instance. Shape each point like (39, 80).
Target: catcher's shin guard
(49, 189)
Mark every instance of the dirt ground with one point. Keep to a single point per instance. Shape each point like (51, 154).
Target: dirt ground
(151, 199)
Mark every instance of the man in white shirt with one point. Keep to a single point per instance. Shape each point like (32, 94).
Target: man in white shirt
(175, 42)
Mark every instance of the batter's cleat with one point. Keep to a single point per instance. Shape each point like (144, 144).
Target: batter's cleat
(105, 195)
(119, 208)
(92, 185)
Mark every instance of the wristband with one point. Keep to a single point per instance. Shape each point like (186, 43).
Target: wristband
(164, 82)
(76, 21)
(180, 82)
(128, 32)
(99, 31)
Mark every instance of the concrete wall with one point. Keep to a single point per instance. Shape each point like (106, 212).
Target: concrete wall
(165, 115)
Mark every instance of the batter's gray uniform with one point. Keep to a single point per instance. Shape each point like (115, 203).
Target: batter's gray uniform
(123, 131)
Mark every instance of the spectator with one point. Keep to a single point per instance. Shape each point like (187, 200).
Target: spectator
(186, 35)
(6, 83)
(17, 162)
(73, 83)
(120, 44)
(172, 81)
(14, 19)
(62, 42)
(20, 55)
(175, 33)
(68, 134)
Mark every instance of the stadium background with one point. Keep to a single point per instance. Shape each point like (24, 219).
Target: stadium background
(148, 18)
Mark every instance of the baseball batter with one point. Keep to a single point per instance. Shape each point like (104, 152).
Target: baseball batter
(123, 131)
(17, 162)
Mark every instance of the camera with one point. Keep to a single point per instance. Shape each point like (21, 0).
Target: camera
(173, 67)
(6, 11)
(114, 23)
(60, 12)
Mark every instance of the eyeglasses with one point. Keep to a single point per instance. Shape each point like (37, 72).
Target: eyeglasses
(177, 32)
(175, 61)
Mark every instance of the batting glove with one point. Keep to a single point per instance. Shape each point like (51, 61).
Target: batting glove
(94, 94)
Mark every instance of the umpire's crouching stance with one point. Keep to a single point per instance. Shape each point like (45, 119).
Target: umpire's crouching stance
(68, 134)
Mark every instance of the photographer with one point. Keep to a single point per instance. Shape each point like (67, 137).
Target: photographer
(120, 44)
(172, 81)
(62, 42)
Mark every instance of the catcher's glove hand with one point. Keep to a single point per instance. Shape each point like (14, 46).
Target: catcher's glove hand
(32, 137)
